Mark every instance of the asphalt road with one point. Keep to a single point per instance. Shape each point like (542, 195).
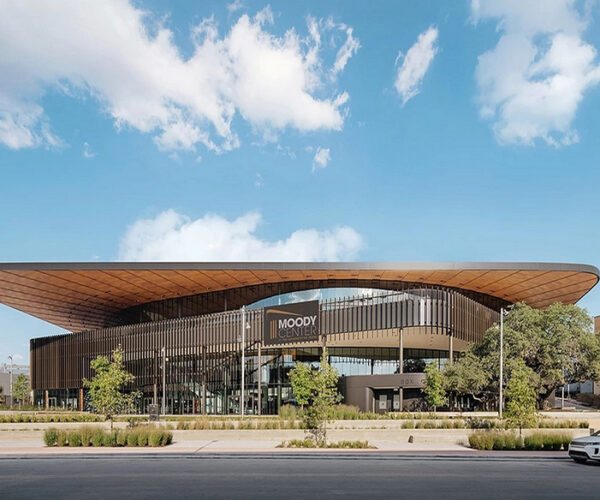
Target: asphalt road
(304, 476)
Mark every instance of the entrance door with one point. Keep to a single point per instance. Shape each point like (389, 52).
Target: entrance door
(384, 400)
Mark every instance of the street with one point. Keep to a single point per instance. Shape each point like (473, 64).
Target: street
(295, 476)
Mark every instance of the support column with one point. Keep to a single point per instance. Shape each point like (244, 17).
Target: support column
(451, 347)
(203, 380)
(401, 366)
(80, 399)
(259, 375)
(46, 402)
(155, 392)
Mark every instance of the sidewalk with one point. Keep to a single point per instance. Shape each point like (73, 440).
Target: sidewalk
(266, 447)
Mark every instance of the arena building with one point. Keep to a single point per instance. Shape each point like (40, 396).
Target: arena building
(194, 334)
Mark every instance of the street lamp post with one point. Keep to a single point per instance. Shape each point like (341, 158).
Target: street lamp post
(10, 382)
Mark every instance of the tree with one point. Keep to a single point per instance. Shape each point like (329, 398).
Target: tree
(414, 366)
(521, 397)
(557, 343)
(301, 380)
(105, 388)
(317, 388)
(21, 389)
(467, 377)
(435, 395)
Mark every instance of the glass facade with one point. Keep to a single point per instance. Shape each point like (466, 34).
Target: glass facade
(223, 384)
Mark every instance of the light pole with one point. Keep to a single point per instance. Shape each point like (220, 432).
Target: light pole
(10, 382)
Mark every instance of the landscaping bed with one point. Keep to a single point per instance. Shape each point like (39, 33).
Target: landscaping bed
(90, 436)
(536, 441)
(310, 443)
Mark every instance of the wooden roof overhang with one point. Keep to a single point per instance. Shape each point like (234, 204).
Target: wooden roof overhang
(81, 296)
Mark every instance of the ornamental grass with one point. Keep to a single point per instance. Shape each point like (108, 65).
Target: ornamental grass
(84, 436)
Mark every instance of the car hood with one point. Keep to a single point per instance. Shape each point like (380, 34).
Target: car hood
(585, 440)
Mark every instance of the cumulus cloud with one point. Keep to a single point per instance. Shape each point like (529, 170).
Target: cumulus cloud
(173, 236)
(128, 62)
(415, 64)
(321, 158)
(532, 82)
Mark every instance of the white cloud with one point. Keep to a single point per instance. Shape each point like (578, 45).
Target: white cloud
(176, 237)
(235, 6)
(87, 151)
(258, 181)
(346, 51)
(532, 82)
(125, 59)
(321, 158)
(415, 64)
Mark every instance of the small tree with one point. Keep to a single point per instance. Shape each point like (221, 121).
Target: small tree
(435, 395)
(521, 397)
(21, 389)
(105, 388)
(317, 388)
(301, 380)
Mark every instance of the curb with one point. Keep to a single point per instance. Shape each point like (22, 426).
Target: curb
(297, 454)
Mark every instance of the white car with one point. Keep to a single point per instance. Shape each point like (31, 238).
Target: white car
(585, 448)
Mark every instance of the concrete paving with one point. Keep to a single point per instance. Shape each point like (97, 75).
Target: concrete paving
(31, 441)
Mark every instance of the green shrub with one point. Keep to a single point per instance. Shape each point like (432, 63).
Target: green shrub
(350, 444)
(74, 439)
(493, 440)
(166, 438)
(408, 424)
(132, 438)
(97, 437)
(121, 438)
(534, 441)
(288, 411)
(498, 442)
(110, 439)
(50, 436)
(299, 443)
(142, 437)
(512, 441)
(86, 435)
(154, 438)
(61, 438)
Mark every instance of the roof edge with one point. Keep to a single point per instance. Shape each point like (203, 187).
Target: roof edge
(388, 266)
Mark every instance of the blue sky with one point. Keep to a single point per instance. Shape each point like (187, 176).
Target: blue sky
(399, 131)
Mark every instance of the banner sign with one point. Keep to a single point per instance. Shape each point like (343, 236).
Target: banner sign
(291, 323)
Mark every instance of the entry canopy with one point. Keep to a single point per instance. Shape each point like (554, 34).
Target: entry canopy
(81, 296)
